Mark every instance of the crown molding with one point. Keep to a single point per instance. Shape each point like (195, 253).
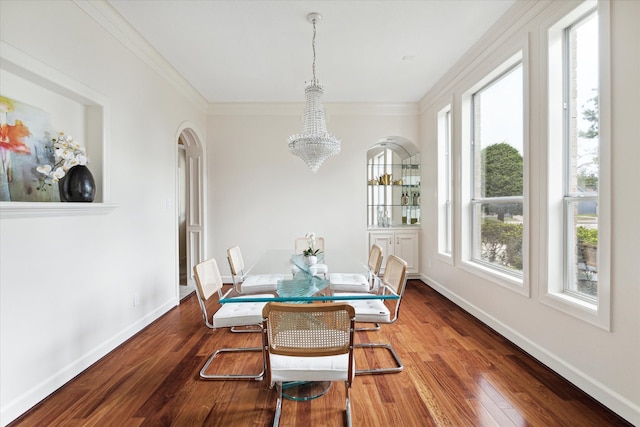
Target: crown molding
(513, 21)
(296, 109)
(107, 17)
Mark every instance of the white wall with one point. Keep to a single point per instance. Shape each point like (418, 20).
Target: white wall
(603, 363)
(261, 196)
(67, 283)
(62, 309)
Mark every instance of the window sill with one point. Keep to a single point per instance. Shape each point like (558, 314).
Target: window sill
(445, 257)
(49, 209)
(578, 308)
(497, 277)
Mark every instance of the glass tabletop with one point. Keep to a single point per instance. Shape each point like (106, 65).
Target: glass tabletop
(304, 283)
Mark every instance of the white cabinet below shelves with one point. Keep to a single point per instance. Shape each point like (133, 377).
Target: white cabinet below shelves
(401, 243)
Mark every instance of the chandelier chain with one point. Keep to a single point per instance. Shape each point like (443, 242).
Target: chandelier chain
(314, 144)
(313, 46)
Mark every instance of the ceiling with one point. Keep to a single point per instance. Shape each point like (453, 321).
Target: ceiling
(260, 51)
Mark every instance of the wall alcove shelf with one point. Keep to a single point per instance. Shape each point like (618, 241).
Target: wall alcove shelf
(34, 210)
(74, 108)
(393, 184)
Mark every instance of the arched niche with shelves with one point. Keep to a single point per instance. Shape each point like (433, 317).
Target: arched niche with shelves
(393, 183)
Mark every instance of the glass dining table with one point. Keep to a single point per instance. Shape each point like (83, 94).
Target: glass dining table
(302, 283)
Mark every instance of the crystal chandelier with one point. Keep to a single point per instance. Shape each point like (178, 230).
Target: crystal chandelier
(314, 144)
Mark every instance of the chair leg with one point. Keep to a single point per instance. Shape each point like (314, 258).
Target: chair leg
(276, 418)
(245, 329)
(372, 328)
(391, 350)
(206, 376)
(348, 403)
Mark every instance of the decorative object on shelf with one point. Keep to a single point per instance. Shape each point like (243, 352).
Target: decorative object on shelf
(314, 144)
(69, 171)
(384, 218)
(385, 179)
(77, 185)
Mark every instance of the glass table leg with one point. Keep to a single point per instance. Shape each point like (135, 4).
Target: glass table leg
(305, 390)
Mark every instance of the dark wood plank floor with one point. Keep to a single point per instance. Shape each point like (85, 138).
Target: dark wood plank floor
(457, 372)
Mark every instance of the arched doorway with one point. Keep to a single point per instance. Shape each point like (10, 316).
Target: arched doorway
(190, 197)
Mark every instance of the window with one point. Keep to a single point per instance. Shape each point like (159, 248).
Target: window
(497, 173)
(579, 169)
(445, 183)
(581, 154)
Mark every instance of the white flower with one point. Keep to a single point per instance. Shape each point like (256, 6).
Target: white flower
(67, 154)
(58, 174)
(311, 241)
(44, 169)
(64, 153)
(311, 238)
(69, 163)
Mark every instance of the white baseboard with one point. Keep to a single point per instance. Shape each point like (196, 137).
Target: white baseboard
(32, 397)
(600, 392)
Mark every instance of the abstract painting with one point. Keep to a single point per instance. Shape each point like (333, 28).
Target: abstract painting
(25, 144)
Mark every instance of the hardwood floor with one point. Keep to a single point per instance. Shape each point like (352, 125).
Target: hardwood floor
(457, 372)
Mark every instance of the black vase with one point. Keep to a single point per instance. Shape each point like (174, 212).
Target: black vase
(77, 185)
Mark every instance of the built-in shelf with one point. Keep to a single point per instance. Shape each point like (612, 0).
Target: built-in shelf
(393, 189)
(79, 110)
(48, 209)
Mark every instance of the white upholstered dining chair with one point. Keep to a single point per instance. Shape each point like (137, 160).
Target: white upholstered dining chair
(394, 281)
(229, 315)
(245, 283)
(355, 282)
(308, 342)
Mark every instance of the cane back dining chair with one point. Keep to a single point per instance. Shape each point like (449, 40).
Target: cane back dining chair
(350, 282)
(208, 283)
(245, 283)
(308, 342)
(394, 280)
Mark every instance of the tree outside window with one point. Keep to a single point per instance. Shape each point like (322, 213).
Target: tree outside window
(498, 178)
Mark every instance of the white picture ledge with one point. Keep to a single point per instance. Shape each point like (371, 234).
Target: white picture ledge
(48, 209)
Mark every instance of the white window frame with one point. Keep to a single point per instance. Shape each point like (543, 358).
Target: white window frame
(445, 184)
(552, 290)
(518, 54)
